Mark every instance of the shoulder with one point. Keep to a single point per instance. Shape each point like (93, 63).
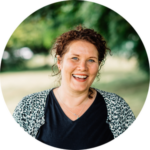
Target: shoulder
(113, 99)
(120, 115)
(29, 112)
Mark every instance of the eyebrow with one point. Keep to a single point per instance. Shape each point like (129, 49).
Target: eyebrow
(89, 57)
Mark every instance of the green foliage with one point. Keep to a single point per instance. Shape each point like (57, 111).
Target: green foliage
(42, 27)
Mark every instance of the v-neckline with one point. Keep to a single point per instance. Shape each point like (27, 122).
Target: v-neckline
(65, 113)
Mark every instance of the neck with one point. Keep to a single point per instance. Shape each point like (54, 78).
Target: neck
(72, 98)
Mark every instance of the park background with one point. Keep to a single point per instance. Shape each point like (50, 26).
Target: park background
(26, 63)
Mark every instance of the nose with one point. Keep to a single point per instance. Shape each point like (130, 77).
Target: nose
(82, 66)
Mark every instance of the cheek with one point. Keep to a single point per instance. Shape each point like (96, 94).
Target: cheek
(94, 70)
(68, 66)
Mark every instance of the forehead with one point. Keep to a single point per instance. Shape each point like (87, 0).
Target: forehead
(82, 47)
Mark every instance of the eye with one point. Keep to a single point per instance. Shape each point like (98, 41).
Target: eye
(91, 60)
(75, 58)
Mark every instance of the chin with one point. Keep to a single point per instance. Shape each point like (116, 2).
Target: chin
(80, 88)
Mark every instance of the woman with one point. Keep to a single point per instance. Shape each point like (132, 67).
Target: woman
(74, 115)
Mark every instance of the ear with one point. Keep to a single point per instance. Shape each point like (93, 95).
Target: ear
(58, 62)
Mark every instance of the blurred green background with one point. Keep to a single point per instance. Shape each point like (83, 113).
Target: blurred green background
(26, 63)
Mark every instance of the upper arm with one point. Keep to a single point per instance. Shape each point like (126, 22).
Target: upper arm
(22, 113)
(29, 113)
(126, 115)
(119, 114)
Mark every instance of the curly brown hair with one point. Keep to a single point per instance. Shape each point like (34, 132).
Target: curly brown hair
(81, 33)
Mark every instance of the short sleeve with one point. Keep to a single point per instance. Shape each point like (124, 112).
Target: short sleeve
(29, 113)
(119, 114)
(22, 113)
(126, 115)
(122, 116)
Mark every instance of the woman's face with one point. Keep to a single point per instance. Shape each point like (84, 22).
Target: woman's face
(79, 66)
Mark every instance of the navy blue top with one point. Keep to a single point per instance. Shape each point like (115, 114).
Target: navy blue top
(90, 130)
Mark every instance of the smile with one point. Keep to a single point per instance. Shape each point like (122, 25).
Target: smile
(80, 78)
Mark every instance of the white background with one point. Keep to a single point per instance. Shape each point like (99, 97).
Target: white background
(13, 12)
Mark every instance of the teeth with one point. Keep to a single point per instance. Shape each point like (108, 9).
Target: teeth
(78, 76)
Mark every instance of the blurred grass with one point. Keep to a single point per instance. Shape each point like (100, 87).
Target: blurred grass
(132, 86)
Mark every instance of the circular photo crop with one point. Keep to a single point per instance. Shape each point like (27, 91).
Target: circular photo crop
(74, 75)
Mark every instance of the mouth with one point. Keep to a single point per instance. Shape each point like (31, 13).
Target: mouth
(80, 78)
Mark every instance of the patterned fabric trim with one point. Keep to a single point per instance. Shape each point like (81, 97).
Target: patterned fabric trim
(29, 113)
(119, 116)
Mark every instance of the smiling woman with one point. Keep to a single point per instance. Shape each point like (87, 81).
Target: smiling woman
(74, 115)
(78, 70)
